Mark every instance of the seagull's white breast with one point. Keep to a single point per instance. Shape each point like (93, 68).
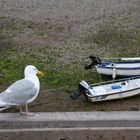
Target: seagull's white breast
(36, 82)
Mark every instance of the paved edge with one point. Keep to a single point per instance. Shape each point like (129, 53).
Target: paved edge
(107, 133)
(70, 120)
(71, 126)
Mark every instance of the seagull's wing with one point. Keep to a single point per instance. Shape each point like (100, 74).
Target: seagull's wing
(18, 93)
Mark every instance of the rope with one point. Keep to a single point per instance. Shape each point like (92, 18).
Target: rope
(114, 73)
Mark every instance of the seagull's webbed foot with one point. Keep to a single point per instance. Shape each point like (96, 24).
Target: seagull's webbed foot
(27, 113)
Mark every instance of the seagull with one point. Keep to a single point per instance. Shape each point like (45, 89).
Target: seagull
(23, 91)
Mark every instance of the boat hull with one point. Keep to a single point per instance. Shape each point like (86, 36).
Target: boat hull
(115, 96)
(120, 69)
(119, 72)
(110, 90)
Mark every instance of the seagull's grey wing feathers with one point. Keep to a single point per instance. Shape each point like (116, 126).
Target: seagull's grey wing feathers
(18, 93)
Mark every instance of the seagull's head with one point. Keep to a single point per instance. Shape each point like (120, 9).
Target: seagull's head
(32, 70)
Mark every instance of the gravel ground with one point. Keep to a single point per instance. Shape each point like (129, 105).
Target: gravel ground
(77, 15)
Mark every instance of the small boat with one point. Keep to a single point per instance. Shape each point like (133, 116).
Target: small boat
(115, 89)
(121, 67)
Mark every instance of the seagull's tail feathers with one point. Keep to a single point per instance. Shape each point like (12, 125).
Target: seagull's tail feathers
(3, 108)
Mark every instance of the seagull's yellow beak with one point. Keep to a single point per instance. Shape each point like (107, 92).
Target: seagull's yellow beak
(40, 73)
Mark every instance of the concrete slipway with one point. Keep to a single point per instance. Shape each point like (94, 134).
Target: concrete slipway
(71, 126)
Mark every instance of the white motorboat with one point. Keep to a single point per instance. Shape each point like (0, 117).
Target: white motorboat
(124, 67)
(110, 90)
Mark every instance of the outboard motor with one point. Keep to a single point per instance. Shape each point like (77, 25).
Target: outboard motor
(82, 88)
(84, 84)
(95, 60)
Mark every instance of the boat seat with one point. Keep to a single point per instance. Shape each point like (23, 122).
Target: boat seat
(116, 87)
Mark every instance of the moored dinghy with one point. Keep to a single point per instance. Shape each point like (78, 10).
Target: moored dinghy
(124, 67)
(109, 90)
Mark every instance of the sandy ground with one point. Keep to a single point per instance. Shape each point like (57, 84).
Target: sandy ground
(58, 100)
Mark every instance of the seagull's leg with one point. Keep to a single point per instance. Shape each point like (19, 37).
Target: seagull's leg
(27, 111)
(20, 109)
(21, 112)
